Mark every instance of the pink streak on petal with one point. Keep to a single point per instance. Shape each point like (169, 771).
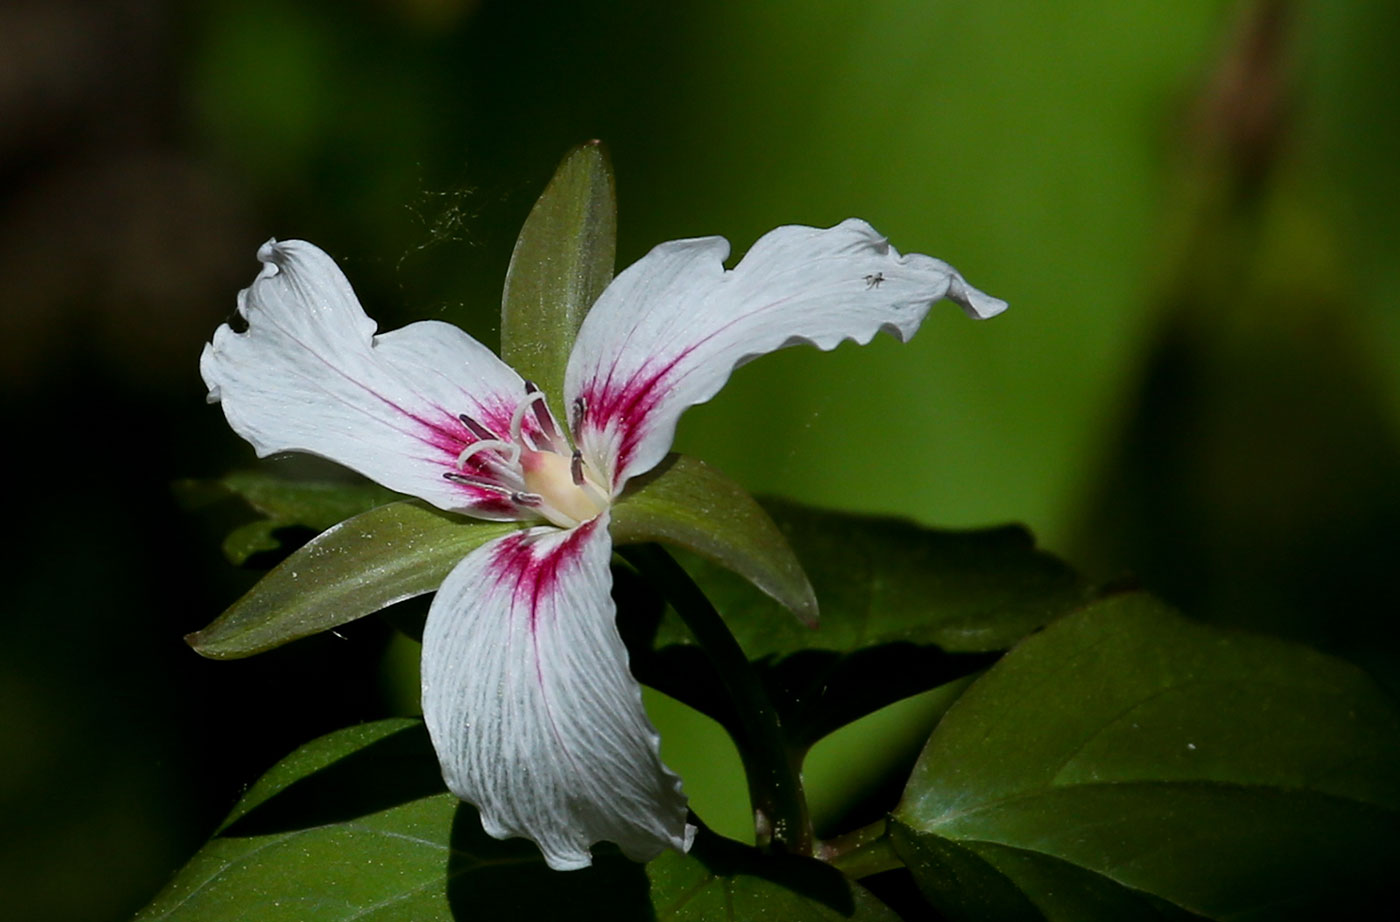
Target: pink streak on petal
(448, 437)
(534, 575)
(629, 406)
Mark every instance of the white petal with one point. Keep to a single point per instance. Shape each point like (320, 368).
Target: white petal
(534, 715)
(668, 331)
(309, 375)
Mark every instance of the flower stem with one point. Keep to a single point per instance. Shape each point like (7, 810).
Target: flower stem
(771, 766)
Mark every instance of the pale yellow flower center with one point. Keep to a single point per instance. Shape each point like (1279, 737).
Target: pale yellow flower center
(551, 476)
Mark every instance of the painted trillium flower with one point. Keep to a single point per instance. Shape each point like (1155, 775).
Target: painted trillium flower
(526, 690)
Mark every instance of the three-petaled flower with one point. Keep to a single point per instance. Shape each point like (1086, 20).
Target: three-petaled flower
(526, 690)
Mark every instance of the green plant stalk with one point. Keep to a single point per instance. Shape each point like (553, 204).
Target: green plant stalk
(781, 820)
(861, 852)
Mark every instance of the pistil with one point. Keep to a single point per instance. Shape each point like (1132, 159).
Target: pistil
(536, 470)
(566, 502)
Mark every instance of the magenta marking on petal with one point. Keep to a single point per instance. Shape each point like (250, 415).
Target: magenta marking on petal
(485, 501)
(530, 571)
(547, 579)
(533, 575)
(447, 435)
(511, 560)
(441, 437)
(448, 438)
(629, 406)
(445, 432)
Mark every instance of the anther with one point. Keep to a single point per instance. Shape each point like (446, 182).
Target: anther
(477, 429)
(527, 499)
(579, 409)
(576, 467)
(475, 482)
(542, 414)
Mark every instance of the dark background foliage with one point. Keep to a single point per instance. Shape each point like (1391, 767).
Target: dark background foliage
(1191, 207)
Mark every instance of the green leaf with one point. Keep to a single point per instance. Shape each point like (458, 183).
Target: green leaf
(883, 580)
(967, 882)
(562, 261)
(721, 879)
(357, 826)
(317, 504)
(353, 569)
(1126, 756)
(282, 503)
(685, 502)
(903, 609)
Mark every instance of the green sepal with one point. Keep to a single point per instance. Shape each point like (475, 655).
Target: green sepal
(281, 502)
(563, 260)
(1126, 756)
(367, 562)
(685, 502)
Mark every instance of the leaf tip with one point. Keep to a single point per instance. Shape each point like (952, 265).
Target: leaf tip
(800, 600)
(593, 152)
(207, 646)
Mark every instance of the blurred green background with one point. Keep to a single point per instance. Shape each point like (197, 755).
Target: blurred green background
(1191, 206)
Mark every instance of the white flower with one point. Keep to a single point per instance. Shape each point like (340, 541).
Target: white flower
(526, 690)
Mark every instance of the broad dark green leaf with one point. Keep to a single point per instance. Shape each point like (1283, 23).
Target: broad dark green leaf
(357, 826)
(903, 609)
(563, 260)
(1126, 756)
(687, 503)
(883, 580)
(353, 569)
(282, 503)
(968, 882)
(721, 879)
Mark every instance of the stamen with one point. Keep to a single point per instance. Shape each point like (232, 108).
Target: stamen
(580, 407)
(477, 429)
(527, 499)
(510, 450)
(475, 482)
(542, 414)
(518, 416)
(583, 483)
(594, 494)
